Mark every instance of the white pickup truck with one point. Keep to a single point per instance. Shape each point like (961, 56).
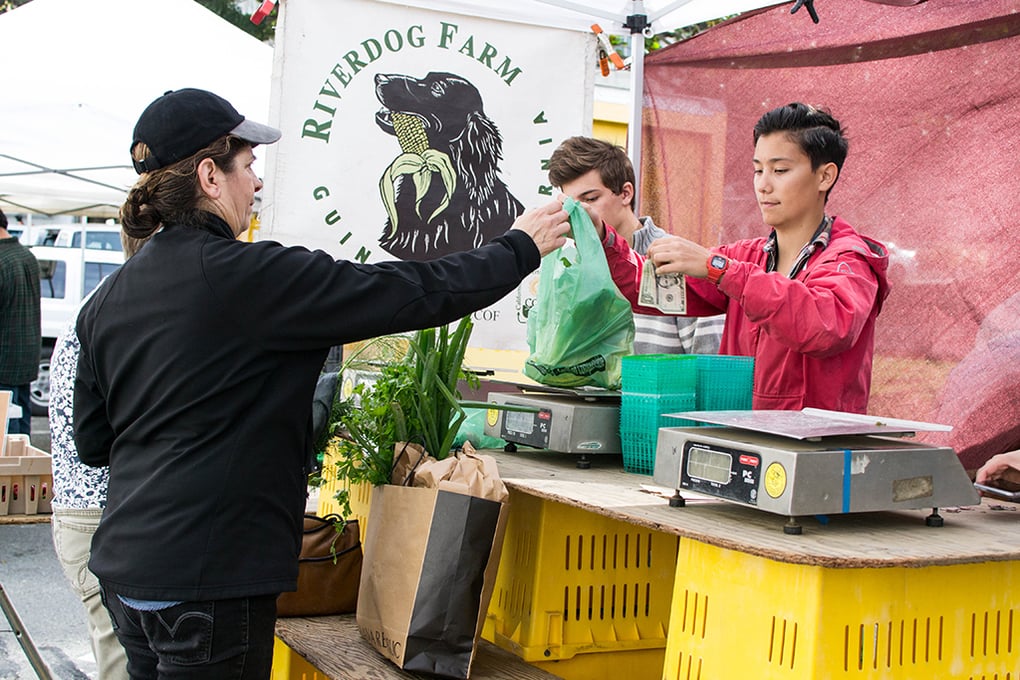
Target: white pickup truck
(68, 274)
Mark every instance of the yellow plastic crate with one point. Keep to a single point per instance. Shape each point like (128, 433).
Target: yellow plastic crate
(635, 664)
(360, 495)
(571, 581)
(289, 665)
(736, 615)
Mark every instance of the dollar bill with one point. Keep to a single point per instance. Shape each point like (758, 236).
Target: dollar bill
(666, 292)
(646, 292)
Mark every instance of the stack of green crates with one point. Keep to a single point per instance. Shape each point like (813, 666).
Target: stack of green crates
(654, 385)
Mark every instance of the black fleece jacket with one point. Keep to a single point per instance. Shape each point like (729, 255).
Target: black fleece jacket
(199, 358)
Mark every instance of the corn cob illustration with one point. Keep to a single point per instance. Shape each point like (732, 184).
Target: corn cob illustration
(410, 132)
(418, 161)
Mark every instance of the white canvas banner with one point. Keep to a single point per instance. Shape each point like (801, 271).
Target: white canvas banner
(411, 133)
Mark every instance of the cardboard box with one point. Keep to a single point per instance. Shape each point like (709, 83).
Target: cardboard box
(26, 480)
(16, 445)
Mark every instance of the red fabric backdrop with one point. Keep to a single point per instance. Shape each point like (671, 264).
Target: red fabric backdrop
(930, 96)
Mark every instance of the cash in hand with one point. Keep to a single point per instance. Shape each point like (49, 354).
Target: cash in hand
(665, 292)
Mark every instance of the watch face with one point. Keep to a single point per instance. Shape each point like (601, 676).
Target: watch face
(718, 261)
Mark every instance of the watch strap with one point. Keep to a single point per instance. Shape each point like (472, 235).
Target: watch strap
(715, 272)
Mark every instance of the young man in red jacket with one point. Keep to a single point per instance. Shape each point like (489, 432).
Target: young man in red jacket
(803, 300)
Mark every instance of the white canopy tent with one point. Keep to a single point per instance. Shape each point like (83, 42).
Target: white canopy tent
(78, 75)
(612, 15)
(83, 71)
(635, 18)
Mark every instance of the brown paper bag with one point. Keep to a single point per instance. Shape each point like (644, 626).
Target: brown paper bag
(431, 555)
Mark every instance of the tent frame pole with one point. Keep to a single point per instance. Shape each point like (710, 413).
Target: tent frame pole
(639, 26)
(21, 635)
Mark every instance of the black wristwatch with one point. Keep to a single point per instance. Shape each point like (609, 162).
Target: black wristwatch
(717, 266)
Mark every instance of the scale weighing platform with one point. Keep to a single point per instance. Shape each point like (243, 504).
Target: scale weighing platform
(811, 462)
(571, 421)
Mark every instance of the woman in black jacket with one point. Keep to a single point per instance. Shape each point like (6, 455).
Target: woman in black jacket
(199, 357)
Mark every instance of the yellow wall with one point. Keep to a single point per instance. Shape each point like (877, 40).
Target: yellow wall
(610, 122)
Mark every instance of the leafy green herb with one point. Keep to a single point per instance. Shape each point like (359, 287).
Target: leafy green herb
(414, 399)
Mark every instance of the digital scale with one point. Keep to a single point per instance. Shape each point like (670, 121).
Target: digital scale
(557, 419)
(811, 462)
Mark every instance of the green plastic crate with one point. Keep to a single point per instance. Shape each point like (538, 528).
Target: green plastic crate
(725, 383)
(647, 412)
(639, 451)
(659, 373)
(655, 385)
(641, 416)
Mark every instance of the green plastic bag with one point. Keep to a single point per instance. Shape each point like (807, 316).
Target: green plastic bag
(580, 326)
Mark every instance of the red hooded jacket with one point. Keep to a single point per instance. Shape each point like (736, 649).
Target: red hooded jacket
(812, 337)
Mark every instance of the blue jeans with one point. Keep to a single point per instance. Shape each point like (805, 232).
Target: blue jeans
(215, 640)
(21, 397)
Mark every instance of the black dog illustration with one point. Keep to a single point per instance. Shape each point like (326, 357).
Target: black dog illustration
(443, 194)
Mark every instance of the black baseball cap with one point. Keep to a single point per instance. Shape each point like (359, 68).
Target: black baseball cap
(183, 122)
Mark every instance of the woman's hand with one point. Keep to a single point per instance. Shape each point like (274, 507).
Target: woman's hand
(547, 226)
(677, 255)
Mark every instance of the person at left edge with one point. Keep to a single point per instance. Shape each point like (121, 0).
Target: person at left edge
(20, 325)
(199, 357)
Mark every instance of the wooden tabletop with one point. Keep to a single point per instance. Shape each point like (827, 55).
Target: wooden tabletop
(334, 646)
(988, 532)
(24, 519)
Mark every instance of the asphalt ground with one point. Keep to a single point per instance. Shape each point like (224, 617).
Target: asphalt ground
(52, 615)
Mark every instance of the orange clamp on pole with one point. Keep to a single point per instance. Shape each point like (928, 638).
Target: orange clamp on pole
(607, 50)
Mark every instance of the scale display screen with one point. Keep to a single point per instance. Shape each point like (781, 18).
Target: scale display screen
(713, 466)
(519, 422)
(721, 471)
(528, 428)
